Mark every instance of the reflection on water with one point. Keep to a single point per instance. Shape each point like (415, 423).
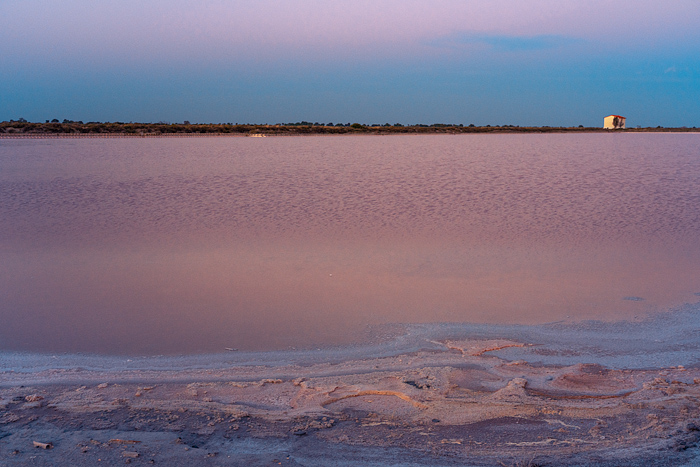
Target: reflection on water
(171, 246)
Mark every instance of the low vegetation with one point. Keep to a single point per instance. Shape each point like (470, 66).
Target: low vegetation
(23, 127)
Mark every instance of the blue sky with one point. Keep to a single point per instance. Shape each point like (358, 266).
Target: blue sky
(530, 62)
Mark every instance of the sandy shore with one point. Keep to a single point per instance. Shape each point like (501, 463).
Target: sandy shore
(490, 396)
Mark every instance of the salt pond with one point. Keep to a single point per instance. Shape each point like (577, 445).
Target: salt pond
(172, 246)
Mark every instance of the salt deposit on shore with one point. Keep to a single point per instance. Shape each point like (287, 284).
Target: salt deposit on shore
(558, 394)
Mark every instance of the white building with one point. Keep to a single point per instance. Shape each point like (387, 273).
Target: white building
(614, 122)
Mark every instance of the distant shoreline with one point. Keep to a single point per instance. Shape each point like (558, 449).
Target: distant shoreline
(21, 129)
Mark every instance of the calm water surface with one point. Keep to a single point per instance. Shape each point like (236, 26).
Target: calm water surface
(138, 246)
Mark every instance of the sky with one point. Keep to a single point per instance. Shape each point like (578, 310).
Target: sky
(497, 62)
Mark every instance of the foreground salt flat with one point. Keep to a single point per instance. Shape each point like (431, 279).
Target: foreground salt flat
(453, 402)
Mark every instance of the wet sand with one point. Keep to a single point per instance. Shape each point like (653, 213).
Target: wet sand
(558, 394)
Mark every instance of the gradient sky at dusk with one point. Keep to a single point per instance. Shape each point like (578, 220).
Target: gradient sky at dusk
(527, 62)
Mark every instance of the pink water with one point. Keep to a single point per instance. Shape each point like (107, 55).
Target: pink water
(140, 246)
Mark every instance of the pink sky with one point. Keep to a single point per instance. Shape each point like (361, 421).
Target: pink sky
(274, 28)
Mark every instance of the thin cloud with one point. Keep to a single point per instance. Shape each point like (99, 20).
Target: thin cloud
(505, 43)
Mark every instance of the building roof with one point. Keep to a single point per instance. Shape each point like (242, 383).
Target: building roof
(618, 116)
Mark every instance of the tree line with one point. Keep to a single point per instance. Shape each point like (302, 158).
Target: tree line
(70, 127)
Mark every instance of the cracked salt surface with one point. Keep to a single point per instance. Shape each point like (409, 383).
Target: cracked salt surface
(437, 394)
